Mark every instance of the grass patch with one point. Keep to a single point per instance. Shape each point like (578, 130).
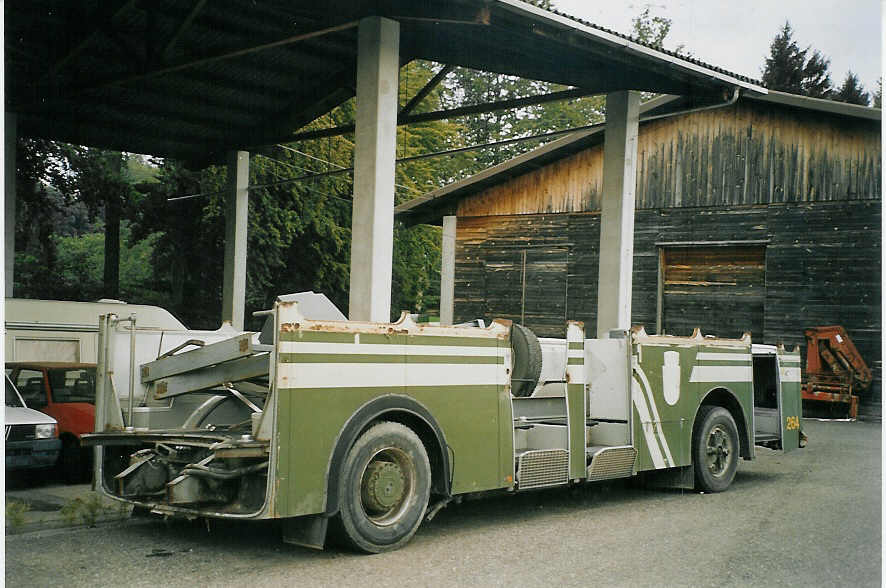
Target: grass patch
(84, 511)
(15, 513)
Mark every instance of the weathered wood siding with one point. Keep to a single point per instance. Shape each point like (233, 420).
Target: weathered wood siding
(822, 266)
(750, 153)
(724, 284)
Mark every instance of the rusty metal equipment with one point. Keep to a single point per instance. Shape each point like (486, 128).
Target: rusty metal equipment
(835, 371)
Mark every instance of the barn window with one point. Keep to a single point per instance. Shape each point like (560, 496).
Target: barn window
(720, 288)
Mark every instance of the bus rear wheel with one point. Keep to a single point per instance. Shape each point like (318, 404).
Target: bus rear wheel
(384, 489)
(714, 449)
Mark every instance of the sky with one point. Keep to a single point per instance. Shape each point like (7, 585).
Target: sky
(736, 35)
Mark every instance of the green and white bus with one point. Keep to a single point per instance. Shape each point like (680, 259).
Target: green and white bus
(375, 426)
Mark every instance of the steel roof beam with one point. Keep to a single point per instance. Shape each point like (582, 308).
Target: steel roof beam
(106, 15)
(427, 89)
(455, 112)
(184, 26)
(209, 59)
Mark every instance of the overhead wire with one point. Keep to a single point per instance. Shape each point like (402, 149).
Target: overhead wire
(343, 170)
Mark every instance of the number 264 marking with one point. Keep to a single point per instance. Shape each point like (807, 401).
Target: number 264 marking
(793, 423)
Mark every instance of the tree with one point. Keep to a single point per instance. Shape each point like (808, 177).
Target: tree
(798, 71)
(651, 30)
(878, 95)
(100, 179)
(852, 91)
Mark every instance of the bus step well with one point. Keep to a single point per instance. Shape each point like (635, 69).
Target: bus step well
(608, 463)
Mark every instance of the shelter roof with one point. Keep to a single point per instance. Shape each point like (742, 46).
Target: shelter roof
(195, 79)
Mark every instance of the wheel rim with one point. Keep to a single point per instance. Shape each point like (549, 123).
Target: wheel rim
(386, 485)
(719, 451)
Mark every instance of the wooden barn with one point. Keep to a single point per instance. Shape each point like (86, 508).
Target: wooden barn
(763, 216)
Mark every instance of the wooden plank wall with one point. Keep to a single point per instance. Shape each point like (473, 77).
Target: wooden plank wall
(822, 267)
(750, 153)
(724, 284)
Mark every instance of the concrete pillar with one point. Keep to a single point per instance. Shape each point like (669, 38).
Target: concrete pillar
(617, 218)
(236, 209)
(447, 272)
(9, 131)
(372, 225)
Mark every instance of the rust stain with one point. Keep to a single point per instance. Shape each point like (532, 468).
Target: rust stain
(288, 327)
(244, 344)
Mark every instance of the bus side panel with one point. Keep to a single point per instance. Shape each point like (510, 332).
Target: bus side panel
(324, 378)
(728, 367)
(791, 402)
(664, 404)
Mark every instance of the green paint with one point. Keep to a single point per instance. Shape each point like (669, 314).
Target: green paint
(376, 339)
(576, 345)
(388, 358)
(383, 338)
(468, 415)
(791, 406)
(575, 361)
(317, 336)
(575, 396)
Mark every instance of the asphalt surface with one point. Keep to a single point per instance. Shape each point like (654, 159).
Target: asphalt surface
(808, 518)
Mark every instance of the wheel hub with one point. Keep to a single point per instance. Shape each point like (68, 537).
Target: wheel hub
(383, 486)
(719, 450)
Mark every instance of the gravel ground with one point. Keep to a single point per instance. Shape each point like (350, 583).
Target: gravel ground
(808, 518)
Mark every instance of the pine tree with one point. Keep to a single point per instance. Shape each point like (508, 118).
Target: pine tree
(798, 71)
(878, 95)
(852, 91)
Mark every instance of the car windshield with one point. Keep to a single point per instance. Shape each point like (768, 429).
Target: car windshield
(12, 397)
(72, 384)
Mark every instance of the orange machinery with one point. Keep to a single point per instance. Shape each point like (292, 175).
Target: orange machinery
(835, 372)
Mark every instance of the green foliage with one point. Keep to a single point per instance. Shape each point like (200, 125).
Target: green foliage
(852, 91)
(419, 176)
(15, 513)
(85, 511)
(468, 87)
(78, 269)
(416, 269)
(649, 29)
(141, 169)
(798, 71)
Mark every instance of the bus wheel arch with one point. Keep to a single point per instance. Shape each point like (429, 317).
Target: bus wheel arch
(723, 397)
(397, 409)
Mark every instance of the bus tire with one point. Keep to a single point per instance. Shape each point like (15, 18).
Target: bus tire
(715, 449)
(527, 361)
(384, 488)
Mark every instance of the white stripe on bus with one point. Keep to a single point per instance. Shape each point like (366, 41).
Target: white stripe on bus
(640, 404)
(358, 375)
(722, 373)
(709, 356)
(651, 398)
